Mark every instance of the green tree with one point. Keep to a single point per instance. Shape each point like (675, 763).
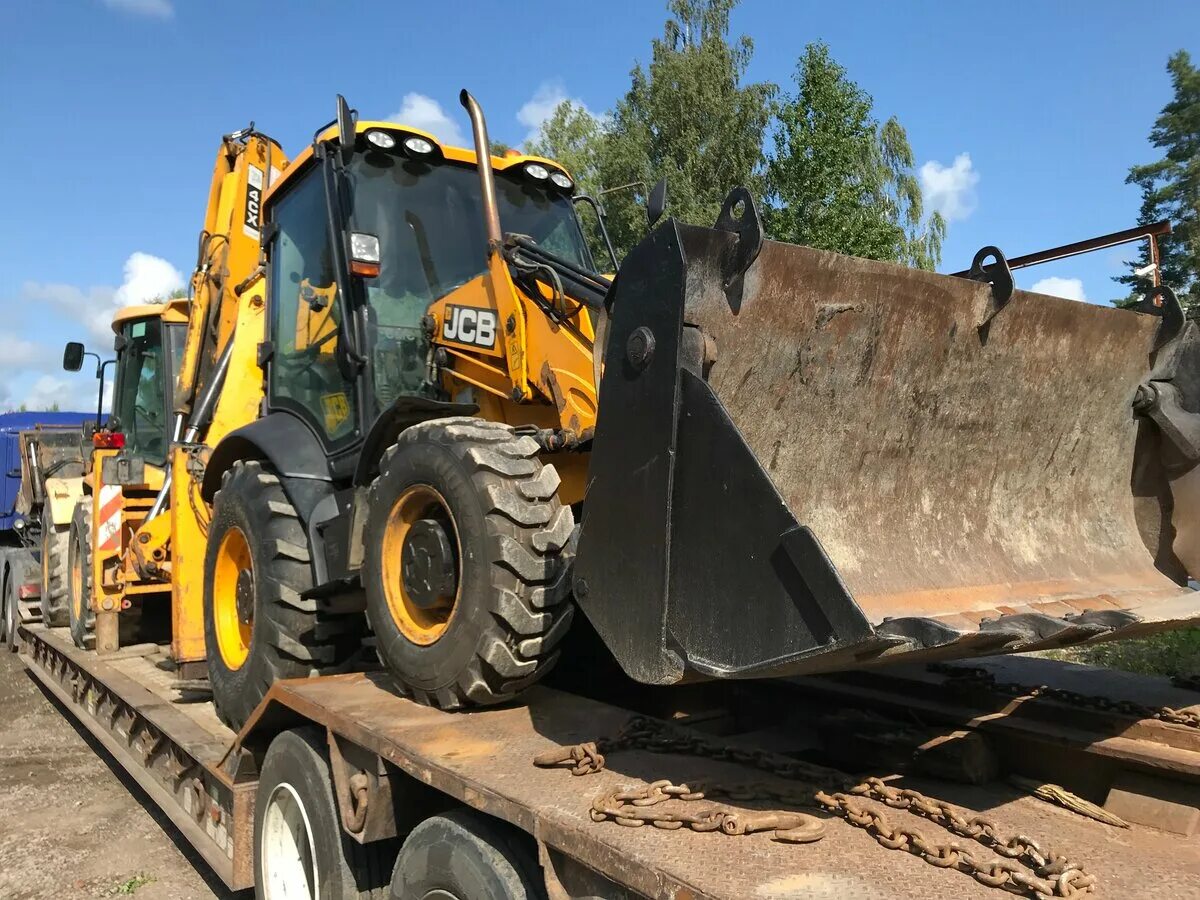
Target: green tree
(687, 116)
(839, 180)
(1171, 189)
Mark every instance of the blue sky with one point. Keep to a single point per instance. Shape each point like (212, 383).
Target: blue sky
(1024, 117)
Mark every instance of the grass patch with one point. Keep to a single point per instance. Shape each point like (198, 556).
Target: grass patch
(132, 885)
(1169, 653)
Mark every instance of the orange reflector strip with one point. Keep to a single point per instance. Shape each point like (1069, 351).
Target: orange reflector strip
(29, 590)
(365, 269)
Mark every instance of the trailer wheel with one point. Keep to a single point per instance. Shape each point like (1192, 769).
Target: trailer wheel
(466, 562)
(18, 574)
(80, 616)
(258, 626)
(300, 850)
(3, 596)
(56, 543)
(10, 628)
(466, 855)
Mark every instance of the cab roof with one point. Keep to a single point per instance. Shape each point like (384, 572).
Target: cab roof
(447, 151)
(172, 311)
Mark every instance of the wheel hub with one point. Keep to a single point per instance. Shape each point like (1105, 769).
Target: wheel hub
(244, 594)
(427, 564)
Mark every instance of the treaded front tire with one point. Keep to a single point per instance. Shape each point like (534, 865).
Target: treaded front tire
(56, 544)
(295, 791)
(465, 853)
(80, 617)
(510, 609)
(288, 635)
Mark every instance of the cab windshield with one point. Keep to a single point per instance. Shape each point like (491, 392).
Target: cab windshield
(429, 221)
(141, 401)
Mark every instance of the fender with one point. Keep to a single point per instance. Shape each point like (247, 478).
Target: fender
(61, 496)
(291, 449)
(405, 412)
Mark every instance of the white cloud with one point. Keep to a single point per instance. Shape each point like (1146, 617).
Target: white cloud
(541, 106)
(425, 113)
(49, 390)
(950, 190)
(82, 314)
(16, 352)
(1070, 288)
(154, 9)
(147, 278)
(31, 370)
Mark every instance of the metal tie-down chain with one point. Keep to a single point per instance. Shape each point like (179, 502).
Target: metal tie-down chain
(828, 789)
(974, 676)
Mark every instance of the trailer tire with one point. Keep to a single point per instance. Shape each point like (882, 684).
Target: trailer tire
(81, 618)
(56, 543)
(18, 571)
(257, 568)
(3, 595)
(295, 798)
(467, 855)
(488, 623)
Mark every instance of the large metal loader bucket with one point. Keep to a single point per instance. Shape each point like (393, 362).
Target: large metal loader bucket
(808, 462)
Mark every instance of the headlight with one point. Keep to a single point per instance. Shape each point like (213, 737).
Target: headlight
(381, 139)
(417, 145)
(561, 180)
(537, 171)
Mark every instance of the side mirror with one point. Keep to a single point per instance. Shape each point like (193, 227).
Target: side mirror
(73, 356)
(345, 125)
(656, 205)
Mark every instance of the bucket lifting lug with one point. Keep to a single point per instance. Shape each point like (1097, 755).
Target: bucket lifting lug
(739, 216)
(1168, 309)
(998, 275)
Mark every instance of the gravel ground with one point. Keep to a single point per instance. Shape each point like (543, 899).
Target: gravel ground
(73, 825)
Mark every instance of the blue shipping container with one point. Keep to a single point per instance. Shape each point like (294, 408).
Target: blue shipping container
(10, 452)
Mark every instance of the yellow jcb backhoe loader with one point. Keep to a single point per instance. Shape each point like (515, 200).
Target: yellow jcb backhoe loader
(110, 571)
(801, 462)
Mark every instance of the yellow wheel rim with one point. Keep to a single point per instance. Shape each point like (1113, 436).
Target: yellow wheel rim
(233, 586)
(77, 600)
(423, 624)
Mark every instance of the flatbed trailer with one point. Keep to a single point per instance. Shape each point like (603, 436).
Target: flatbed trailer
(393, 763)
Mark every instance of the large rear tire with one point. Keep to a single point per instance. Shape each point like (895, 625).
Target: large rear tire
(467, 855)
(300, 850)
(466, 563)
(258, 626)
(56, 542)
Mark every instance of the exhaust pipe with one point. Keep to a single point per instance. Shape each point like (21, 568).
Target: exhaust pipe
(487, 180)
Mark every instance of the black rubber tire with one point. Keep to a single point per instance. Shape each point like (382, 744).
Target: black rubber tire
(512, 608)
(347, 869)
(3, 596)
(470, 856)
(19, 570)
(81, 619)
(56, 541)
(292, 636)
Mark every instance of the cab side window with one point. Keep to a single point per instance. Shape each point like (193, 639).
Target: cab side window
(306, 315)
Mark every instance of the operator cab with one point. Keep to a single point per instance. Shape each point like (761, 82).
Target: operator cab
(407, 218)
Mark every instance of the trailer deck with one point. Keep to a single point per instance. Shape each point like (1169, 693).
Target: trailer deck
(204, 777)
